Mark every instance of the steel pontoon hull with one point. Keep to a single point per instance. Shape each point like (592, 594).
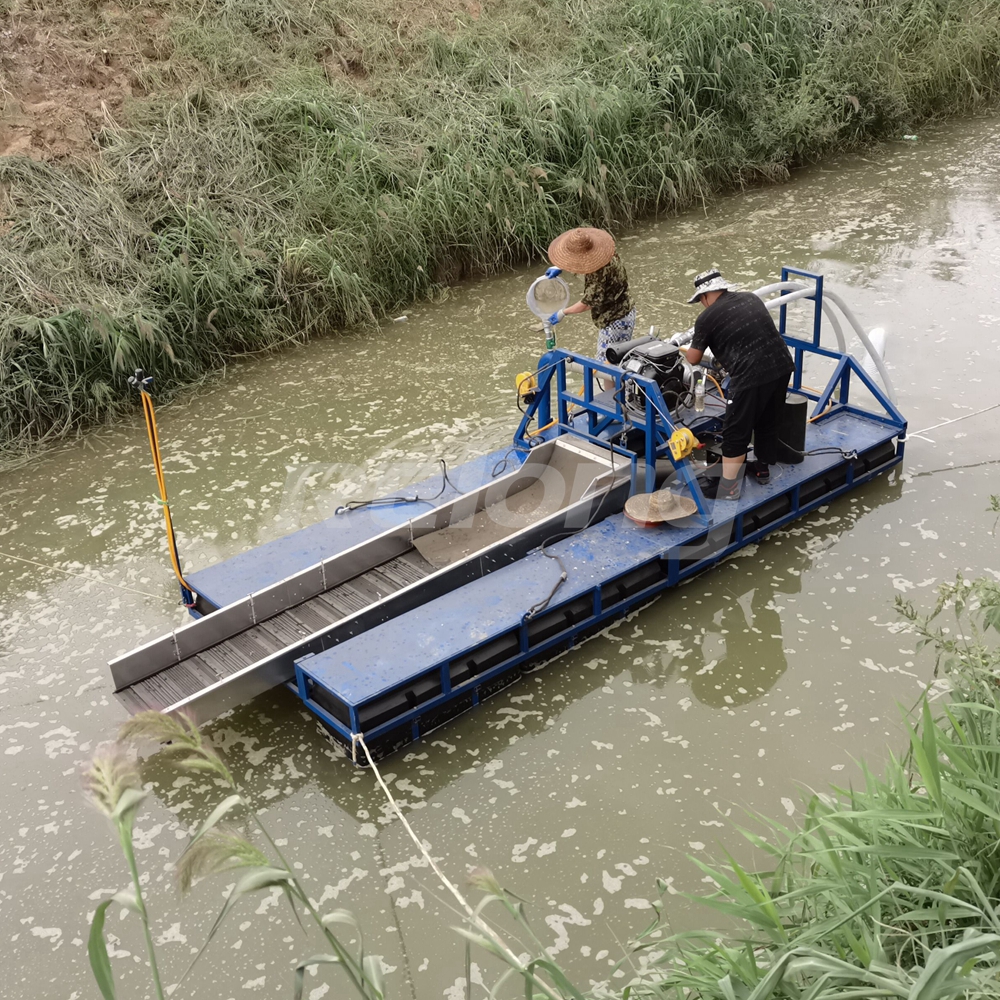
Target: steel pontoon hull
(414, 674)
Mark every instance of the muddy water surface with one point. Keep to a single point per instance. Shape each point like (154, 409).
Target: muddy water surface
(588, 780)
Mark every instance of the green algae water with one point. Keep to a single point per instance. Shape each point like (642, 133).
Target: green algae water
(595, 775)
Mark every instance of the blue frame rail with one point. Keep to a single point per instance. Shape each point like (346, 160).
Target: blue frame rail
(604, 420)
(839, 383)
(551, 405)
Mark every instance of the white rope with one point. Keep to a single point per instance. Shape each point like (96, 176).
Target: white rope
(81, 576)
(358, 739)
(954, 420)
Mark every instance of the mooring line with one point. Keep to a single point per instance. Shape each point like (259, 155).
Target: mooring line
(954, 420)
(358, 739)
(89, 579)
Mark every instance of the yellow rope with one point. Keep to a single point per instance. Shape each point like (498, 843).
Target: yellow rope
(829, 407)
(154, 447)
(555, 420)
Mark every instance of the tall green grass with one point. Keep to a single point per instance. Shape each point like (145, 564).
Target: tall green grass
(887, 890)
(890, 889)
(277, 200)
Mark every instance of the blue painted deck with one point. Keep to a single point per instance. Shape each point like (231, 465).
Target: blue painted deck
(376, 662)
(420, 651)
(394, 668)
(249, 572)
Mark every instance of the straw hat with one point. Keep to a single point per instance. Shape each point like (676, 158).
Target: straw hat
(583, 250)
(647, 509)
(709, 281)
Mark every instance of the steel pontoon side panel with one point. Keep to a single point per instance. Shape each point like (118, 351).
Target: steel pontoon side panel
(312, 581)
(240, 614)
(586, 608)
(226, 623)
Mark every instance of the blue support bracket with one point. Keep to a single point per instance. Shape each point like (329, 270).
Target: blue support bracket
(846, 365)
(816, 297)
(841, 379)
(603, 419)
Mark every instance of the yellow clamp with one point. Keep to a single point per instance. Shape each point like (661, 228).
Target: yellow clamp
(526, 383)
(682, 442)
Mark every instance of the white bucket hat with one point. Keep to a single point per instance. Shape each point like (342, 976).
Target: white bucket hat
(709, 281)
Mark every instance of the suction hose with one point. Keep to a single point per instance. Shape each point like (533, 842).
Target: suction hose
(828, 296)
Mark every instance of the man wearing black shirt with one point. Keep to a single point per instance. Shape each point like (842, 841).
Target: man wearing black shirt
(738, 329)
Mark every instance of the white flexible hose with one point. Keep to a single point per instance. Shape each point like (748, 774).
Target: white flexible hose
(869, 347)
(794, 290)
(803, 292)
(847, 314)
(878, 338)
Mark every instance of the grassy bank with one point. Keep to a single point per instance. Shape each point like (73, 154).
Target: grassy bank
(294, 168)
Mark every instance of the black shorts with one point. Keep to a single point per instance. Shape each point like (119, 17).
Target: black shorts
(754, 412)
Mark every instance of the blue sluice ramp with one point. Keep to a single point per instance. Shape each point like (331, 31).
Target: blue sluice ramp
(399, 680)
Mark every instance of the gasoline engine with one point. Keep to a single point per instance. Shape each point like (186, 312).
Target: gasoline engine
(660, 362)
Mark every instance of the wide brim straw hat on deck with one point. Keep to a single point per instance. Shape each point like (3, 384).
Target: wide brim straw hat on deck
(648, 509)
(709, 281)
(582, 250)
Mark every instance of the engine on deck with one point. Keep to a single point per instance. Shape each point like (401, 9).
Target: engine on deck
(659, 361)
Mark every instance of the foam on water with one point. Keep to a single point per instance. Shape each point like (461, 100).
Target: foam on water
(595, 775)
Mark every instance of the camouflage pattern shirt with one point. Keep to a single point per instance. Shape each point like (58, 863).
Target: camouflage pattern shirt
(606, 292)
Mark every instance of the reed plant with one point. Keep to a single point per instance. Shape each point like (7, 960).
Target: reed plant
(217, 846)
(257, 196)
(224, 842)
(889, 889)
(886, 890)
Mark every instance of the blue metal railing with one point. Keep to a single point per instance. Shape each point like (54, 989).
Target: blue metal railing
(655, 421)
(558, 411)
(839, 382)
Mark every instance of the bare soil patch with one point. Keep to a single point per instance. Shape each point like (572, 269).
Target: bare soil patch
(65, 68)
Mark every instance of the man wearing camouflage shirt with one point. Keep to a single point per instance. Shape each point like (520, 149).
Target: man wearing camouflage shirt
(591, 252)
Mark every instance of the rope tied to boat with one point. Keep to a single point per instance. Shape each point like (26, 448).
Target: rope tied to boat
(141, 382)
(506, 952)
(358, 739)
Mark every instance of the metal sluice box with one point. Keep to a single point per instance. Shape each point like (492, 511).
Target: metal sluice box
(251, 644)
